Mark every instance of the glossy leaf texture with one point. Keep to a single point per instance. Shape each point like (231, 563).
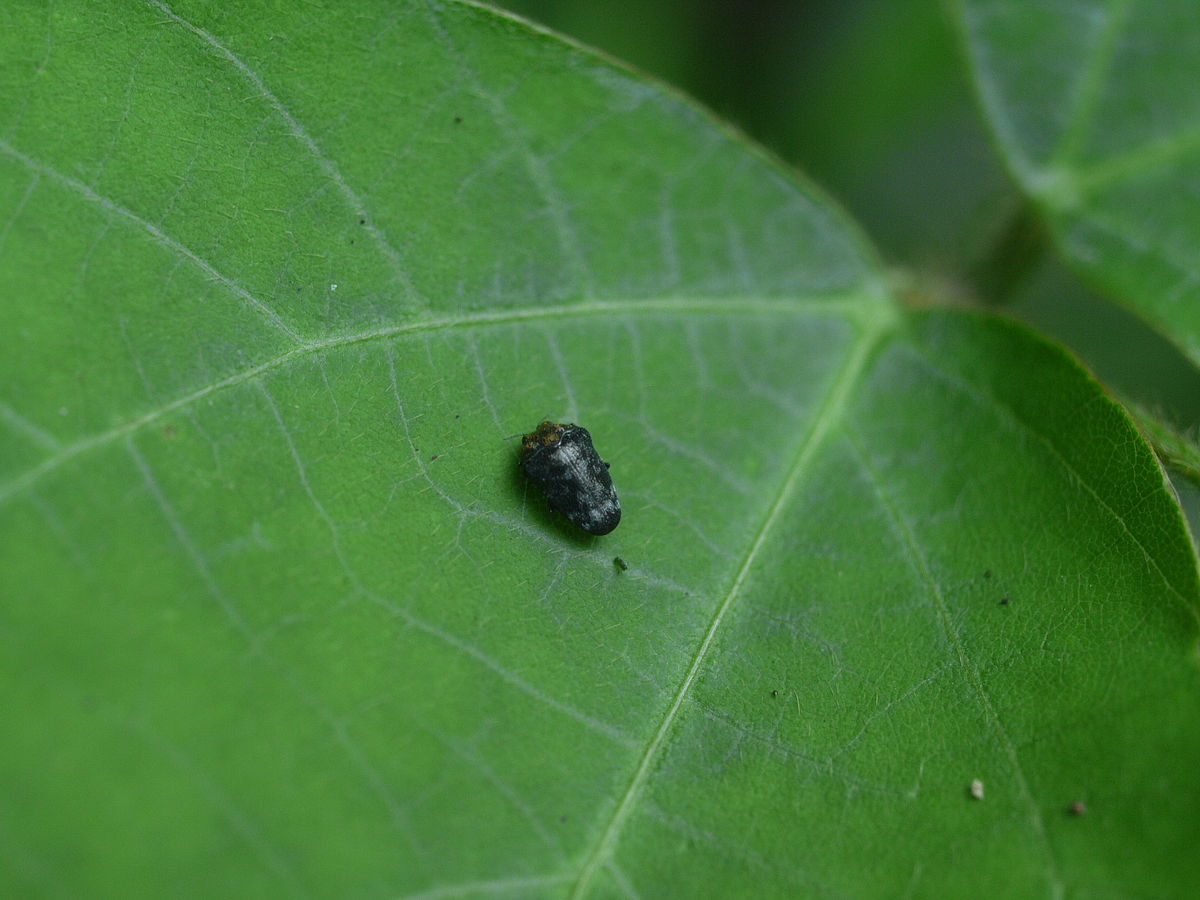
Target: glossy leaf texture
(1095, 105)
(280, 618)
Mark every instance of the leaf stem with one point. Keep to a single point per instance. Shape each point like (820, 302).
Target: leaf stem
(1015, 253)
(1174, 447)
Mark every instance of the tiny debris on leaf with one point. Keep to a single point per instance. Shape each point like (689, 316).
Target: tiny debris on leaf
(620, 564)
(976, 789)
(1078, 808)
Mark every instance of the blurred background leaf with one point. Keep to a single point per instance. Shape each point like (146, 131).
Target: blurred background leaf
(1096, 110)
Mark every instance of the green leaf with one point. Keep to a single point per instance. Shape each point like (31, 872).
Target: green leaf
(1096, 109)
(279, 618)
(1177, 448)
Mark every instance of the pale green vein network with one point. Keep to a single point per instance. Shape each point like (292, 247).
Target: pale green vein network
(854, 306)
(1144, 160)
(830, 414)
(162, 238)
(538, 172)
(301, 134)
(500, 886)
(1063, 181)
(1098, 67)
(904, 534)
(991, 403)
(862, 308)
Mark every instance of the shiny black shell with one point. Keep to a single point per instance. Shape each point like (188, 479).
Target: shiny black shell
(561, 460)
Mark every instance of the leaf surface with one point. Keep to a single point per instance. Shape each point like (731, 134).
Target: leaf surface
(281, 619)
(1096, 107)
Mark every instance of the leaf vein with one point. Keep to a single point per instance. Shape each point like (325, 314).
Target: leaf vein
(160, 237)
(1097, 68)
(485, 888)
(831, 412)
(837, 305)
(1018, 424)
(411, 618)
(185, 541)
(920, 565)
(539, 172)
(356, 203)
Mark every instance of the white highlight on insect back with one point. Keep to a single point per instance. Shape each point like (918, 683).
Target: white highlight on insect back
(599, 503)
(561, 460)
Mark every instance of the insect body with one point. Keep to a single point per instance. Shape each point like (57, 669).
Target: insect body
(561, 460)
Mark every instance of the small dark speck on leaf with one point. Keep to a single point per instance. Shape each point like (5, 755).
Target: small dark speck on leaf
(458, 120)
(170, 432)
(432, 458)
(562, 819)
(1004, 601)
(457, 416)
(774, 693)
(987, 574)
(620, 563)
(362, 221)
(1078, 808)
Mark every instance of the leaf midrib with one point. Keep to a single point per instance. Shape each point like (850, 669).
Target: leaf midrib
(871, 334)
(855, 306)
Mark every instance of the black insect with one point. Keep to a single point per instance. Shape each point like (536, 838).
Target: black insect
(561, 460)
